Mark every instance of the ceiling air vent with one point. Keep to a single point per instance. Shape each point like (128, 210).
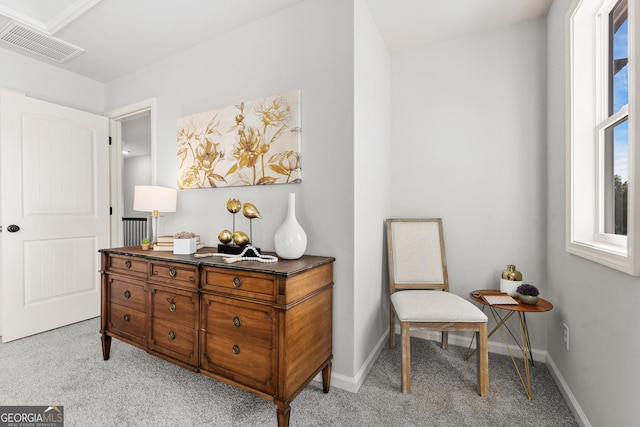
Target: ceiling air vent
(38, 43)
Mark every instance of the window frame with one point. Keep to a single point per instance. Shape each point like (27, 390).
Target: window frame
(587, 118)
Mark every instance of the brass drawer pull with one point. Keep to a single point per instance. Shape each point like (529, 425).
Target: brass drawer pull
(172, 271)
(172, 305)
(127, 264)
(126, 318)
(237, 322)
(236, 349)
(127, 294)
(172, 335)
(237, 282)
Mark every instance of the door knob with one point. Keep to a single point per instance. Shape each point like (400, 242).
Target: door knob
(13, 228)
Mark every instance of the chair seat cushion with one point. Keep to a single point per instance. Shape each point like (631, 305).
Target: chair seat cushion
(434, 306)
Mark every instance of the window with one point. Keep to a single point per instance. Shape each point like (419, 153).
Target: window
(601, 224)
(613, 126)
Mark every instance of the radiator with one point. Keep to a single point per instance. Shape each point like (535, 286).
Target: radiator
(135, 229)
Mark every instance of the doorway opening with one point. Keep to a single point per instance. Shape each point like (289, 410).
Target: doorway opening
(132, 162)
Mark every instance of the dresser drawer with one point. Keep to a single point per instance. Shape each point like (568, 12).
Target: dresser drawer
(131, 324)
(173, 340)
(175, 274)
(252, 285)
(242, 361)
(175, 305)
(127, 292)
(129, 265)
(239, 319)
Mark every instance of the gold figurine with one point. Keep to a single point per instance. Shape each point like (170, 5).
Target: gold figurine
(250, 211)
(234, 241)
(240, 238)
(234, 205)
(225, 236)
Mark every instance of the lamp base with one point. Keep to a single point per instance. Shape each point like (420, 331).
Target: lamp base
(237, 250)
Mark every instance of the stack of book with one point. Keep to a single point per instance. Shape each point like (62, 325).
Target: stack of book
(165, 243)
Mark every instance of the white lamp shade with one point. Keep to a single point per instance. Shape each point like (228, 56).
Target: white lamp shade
(150, 198)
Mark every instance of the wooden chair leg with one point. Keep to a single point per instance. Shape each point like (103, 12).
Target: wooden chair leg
(406, 357)
(392, 329)
(444, 340)
(482, 359)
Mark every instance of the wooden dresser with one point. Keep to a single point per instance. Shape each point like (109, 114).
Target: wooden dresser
(262, 327)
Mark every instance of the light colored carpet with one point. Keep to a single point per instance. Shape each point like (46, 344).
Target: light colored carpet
(65, 367)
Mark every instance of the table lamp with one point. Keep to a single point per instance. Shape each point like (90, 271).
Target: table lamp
(151, 198)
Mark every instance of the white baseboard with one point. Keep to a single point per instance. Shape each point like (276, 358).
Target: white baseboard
(578, 413)
(494, 347)
(352, 384)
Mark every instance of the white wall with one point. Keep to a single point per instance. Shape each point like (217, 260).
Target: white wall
(136, 171)
(468, 132)
(597, 303)
(307, 47)
(48, 83)
(372, 178)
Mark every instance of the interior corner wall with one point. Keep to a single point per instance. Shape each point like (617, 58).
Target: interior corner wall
(597, 303)
(308, 46)
(468, 132)
(372, 177)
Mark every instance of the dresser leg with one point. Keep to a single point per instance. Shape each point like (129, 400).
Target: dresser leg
(326, 378)
(106, 346)
(283, 416)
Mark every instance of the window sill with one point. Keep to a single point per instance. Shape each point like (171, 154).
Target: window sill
(606, 254)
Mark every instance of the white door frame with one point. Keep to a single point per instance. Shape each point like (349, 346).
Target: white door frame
(2, 89)
(116, 160)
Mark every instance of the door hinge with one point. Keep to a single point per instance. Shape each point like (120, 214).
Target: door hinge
(110, 210)
(109, 140)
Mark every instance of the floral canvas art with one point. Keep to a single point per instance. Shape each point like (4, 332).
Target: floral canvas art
(251, 143)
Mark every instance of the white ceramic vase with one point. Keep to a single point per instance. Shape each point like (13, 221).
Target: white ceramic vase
(510, 286)
(290, 240)
(510, 280)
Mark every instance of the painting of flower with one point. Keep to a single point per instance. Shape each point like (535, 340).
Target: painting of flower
(250, 143)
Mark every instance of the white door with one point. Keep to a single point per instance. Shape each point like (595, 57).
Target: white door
(54, 167)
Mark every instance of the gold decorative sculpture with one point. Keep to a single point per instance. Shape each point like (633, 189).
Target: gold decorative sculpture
(225, 236)
(240, 238)
(233, 241)
(234, 205)
(250, 211)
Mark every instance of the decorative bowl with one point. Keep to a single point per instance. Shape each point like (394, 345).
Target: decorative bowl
(528, 299)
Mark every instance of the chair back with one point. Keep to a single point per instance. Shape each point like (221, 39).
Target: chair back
(416, 255)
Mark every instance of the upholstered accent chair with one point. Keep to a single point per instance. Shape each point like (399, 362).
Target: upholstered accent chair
(420, 297)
